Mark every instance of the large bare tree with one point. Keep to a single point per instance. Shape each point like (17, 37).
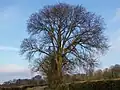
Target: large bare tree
(66, 31)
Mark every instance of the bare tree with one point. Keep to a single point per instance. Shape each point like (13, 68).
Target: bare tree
(66, 31)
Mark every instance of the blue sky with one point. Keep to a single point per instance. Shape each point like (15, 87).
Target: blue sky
(13, 17)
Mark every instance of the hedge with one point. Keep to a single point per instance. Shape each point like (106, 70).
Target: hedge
(96, 85)
(88, 85)
(16, 87)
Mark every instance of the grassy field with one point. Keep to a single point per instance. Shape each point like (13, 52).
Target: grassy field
(37, 88)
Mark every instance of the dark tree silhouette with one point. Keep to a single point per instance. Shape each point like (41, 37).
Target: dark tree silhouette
(66, 31)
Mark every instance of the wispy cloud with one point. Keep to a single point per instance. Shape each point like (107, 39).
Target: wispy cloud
(112, 56)
(115, 41)
(114, 35)
(8, 48)
(116, 18)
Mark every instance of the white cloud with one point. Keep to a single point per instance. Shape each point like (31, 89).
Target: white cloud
(8, 48)
(11, 68)
(117, 15)
(14, 71)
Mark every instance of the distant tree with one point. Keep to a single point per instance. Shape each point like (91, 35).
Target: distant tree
(37, 80)
(67, 31)
(115, 70)
(107, 73)
(37, 77)
(98, 74)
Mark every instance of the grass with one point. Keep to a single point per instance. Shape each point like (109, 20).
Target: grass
(37, 88)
